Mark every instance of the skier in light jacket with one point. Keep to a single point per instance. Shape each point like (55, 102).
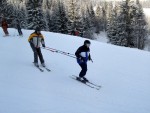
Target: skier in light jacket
(35, 40)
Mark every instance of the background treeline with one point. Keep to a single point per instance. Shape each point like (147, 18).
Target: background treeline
(124, 22)
(145, 3)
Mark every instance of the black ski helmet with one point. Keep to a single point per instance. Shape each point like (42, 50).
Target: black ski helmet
(87, 42)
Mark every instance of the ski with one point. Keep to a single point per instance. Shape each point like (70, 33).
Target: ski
(47, 69)
(20, 36)
(40, 68)
(95, 85)
(6, 35)
(81, 82)
(73, 77)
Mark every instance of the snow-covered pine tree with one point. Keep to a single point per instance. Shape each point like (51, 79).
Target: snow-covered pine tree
(123, 28)
(9, 13)
(91, 14)
(3, 7)
(47, 9)
(106, 12)
(22, 16)
(112, 29)
(60, 19)
(87, 26)
(129, 26)
(74, 17)
(47, 4)
(48, 20)
(52, 18)
(11, 10)
(6, 9)
(126, 7)
(117, 28)
(13, 13)
(138, 26)
(35, 14)
(99, 19)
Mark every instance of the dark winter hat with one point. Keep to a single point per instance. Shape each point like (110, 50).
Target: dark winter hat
(37, 29)
(87, 42)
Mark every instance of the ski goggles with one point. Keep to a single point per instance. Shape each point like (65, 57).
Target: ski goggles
(88, 45)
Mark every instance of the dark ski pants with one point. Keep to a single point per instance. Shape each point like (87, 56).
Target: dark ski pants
(37, 53)
(19, 31)
(83, 69)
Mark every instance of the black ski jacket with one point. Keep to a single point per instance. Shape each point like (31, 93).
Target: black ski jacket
(83, 54)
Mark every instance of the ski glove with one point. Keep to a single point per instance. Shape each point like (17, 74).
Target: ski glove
(31, 43)
(89, 57)
(43, 45)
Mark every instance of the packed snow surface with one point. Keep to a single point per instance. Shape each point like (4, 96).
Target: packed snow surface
(123, 73)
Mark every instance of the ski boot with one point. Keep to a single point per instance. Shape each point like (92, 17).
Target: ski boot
(81, 79)
(85, 79)
(36, 64)
(43, 64)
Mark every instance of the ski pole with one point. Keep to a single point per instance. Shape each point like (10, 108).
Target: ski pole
(48, 49)
(60, 51)
(54, 50)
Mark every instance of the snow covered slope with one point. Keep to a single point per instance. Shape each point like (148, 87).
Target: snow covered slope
(123, 73)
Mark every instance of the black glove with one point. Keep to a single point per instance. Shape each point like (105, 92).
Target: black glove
(89, 57)
(30, 42)
(43, 45)
(32, 45)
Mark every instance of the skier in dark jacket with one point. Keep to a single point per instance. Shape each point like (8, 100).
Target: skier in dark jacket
(83, 55)
(5, 26)
(18, 26)
(35, 40)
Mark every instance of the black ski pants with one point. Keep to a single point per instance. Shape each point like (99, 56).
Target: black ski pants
(83, 69)
(19, 31)
(37, 53)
